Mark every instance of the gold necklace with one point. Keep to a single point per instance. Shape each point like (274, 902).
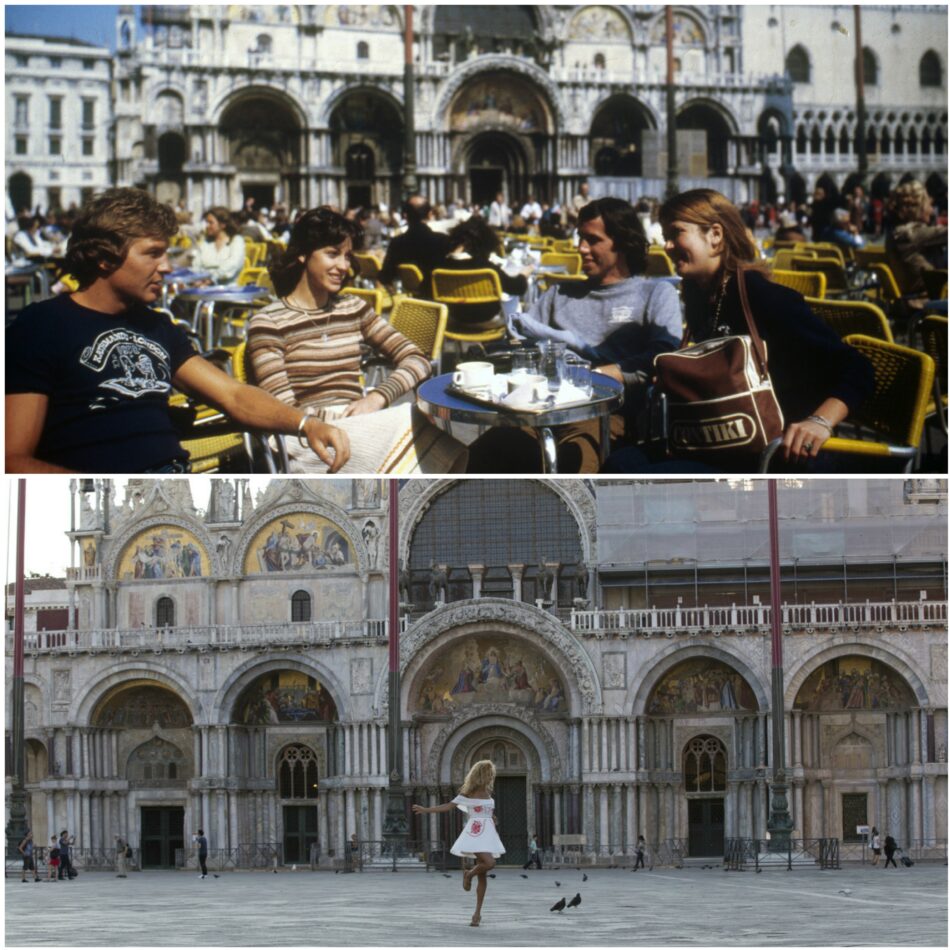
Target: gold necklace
(722, 295)
(325, 336)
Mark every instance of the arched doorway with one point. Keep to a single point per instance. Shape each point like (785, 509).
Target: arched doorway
(704, 779)
(511, 794)
(20, 188)
(496, 162)
(367, 135)
(500, 125)
(298, 788)
(264, 141)
(702, 117)
(171, 160)
(156, 749)
(617, 139)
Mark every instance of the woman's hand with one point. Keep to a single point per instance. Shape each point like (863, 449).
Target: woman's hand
(803, 440)
(321, 437)
(420, 810)
(372, 402)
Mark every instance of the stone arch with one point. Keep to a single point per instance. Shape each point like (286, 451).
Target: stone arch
(122, 540)
(656, 28)
(575, 23)
(88, 699)
(638, 693)
(617, 123)
(336, 98)
(236, 92)
(264, 516)
(468, 72)
(368, 10)
(468, 731)
(163, 751)
(836, 737)
(222, 705)
(36, 760)
(819, 655)
(524, 621)
(417, 496)
(169, 107)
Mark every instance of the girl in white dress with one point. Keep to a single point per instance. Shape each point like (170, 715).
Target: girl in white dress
(479, 838)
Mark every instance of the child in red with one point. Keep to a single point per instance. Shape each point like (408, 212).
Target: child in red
(53, 859)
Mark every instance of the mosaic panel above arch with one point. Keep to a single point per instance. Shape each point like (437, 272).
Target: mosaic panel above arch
(163, 552)
(701, 685)
(489, 669)
(599, 23)
(686, 31)
(499, 101)
(370, 15)
(263, 14)
(298, 543)
(140, 706)
(854, 682)
(284, 696)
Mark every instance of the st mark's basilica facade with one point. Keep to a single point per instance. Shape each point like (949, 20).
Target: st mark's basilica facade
(223, 663)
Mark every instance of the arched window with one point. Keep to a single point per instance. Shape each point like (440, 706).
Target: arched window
(798, 65)
(844, 145)
(912, 141)
(830, 141)
(899, 141)
(885, 141)
(801, 141)
(297, 773)
(815, 140)
(870, 67)
(360, 163)
(362, 50)
(925, 141)
(931, 72)
(704, 765)
(165, 612)
(599, 61)
(264, 43)
(300, 607)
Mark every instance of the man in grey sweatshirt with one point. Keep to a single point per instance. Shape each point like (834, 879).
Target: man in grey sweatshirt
(618, 319)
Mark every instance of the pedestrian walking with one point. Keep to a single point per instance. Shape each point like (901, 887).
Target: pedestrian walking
(875, 847)
(201, 843)
(534, 853)
(890, 846)
(121, 857)
(479, 838)
(25, 847)
(52, 859)
(640, 850)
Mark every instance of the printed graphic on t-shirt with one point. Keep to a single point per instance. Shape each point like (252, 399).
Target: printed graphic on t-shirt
(141, 366)
(621, 314)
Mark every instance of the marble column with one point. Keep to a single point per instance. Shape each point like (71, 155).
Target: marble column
(586, 763)
(234, 838)
(477, 572)
(323, 825)
(604, 833)
(517, 577)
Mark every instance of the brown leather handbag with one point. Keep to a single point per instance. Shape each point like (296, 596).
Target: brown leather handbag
(719, 397)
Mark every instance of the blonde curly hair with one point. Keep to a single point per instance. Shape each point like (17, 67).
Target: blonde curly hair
(480, 775)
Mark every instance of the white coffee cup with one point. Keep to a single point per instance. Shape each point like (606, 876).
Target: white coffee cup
(473, 375)
(517, 380)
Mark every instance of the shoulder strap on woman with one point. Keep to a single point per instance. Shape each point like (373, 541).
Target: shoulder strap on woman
(757, 346)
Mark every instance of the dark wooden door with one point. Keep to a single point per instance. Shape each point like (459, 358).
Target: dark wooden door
(300, 831)
(706, 827)
(511, 807)
(163, 832)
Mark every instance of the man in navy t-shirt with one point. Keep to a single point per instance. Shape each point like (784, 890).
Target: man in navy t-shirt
(88, 375)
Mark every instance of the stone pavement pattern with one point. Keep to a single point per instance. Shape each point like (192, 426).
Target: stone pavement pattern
(688, 907)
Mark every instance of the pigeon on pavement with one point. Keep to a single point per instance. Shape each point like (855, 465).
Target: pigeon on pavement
(491, 876)
(575, 900)
(525, 876)
(558, 883)
(217, 875)
(584, 878)
(446, 875)
(560, 905)
(845, 890)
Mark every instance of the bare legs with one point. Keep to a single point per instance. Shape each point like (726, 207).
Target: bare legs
(484, 862)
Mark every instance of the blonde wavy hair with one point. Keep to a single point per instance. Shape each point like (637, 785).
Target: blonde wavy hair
(480, 775)
(908, 201)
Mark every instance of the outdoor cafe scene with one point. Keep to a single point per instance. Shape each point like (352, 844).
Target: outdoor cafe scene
(548, 239)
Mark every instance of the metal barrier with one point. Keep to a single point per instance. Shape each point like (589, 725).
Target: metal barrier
(268, 854)
(82, 859)
(403, 856)
(742, 854)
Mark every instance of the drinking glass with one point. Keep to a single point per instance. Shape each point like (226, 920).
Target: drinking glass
(579, 375)
(526, 361)
(552, 364)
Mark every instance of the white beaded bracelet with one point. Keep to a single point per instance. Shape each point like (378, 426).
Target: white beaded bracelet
(307, 413)
(822, 421)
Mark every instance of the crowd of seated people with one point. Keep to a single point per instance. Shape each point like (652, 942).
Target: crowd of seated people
(306, 350)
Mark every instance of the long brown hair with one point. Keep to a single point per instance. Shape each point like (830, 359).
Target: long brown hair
(705, 207)
(480, 775)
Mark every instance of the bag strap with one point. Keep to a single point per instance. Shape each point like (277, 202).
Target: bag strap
(757, 346)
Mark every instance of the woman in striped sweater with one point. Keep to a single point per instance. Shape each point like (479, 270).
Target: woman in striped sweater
(306, 348)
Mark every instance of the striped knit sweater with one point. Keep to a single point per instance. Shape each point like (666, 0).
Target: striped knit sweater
(312, 357)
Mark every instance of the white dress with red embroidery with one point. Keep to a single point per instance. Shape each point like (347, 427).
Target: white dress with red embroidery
(479, 834)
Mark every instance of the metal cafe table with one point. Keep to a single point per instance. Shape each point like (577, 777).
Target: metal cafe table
(444, 408)
(207, 300)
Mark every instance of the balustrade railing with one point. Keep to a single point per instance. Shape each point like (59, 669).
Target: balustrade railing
(186, 639)
(745, 854)
(387, 855)
(756, 618)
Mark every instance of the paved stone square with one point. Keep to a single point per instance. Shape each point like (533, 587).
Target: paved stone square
(688, 907)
